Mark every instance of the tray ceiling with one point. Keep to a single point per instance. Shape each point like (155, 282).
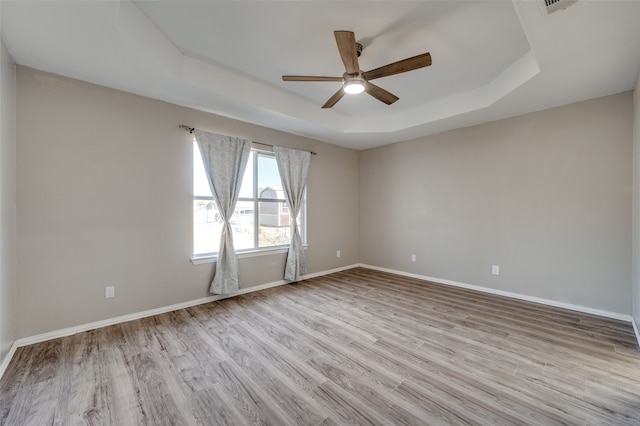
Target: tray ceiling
(491, 59)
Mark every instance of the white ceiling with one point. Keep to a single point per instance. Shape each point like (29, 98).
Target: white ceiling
(491, 59)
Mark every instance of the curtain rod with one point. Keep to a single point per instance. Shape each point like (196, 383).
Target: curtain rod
(191, 129)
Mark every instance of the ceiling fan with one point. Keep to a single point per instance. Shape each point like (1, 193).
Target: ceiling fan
(354, 80)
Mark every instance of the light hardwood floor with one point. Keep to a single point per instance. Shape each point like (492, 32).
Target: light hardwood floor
(355, 347)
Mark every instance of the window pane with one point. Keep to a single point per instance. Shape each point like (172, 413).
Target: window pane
(246, 190)
(275, 227)
(242, 223)
(269, 183)
(207, 226)
(200, 181)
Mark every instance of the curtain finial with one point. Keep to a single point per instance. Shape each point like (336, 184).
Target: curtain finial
(187, 128)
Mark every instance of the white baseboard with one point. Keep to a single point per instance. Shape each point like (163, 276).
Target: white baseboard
(635, 329)
(548, 302)
(7, 359)
(137, 315)
(25, 341)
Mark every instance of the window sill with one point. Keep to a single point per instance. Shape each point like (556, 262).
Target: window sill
(202, 259)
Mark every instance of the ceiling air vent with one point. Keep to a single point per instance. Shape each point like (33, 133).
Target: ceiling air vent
(555, 5)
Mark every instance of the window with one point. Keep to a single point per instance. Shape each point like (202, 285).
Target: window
(261, 219)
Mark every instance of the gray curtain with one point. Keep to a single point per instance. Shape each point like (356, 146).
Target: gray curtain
(293, 166)
(225, 159)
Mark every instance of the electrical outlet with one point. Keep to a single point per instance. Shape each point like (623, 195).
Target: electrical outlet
(495, 269)
(109, 292)
(413, 257)
(338, 253)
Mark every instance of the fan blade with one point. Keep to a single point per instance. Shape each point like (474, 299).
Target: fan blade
(309, 78)
(404, 65)
(380, 94)
(346, 41)
(334, 99)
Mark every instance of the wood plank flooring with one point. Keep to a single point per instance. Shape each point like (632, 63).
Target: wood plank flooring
(355, 347)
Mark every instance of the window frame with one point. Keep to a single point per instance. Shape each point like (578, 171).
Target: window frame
(256, 250)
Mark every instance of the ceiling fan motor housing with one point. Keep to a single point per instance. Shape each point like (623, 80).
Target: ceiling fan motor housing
(353, 83)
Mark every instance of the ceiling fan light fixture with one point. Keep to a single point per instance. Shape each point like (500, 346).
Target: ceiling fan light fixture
(353, 85)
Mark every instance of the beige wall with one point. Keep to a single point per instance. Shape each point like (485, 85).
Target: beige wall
(104, 198)
(546, 196)
(7, 202)
(636, 205)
